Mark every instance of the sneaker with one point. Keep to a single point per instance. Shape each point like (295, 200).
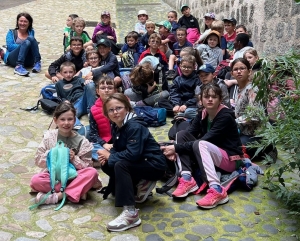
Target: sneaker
(124, 221)
(171, 74)
(51, 199)
(144, 188)
(20, 70)
(37, 67)
(213, 198)
(2, 53)
(185, 187)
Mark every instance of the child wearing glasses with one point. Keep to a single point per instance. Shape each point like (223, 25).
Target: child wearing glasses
(135, 159)
(182, 99)
(100, 130)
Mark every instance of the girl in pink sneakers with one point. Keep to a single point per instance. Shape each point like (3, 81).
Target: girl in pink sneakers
(219, 146)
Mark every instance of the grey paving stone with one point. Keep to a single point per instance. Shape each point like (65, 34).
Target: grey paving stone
(192, 237)
(204, 229)
(263, 235)
(248, 224)
(61, 217)
(270, 228)
(22, 216)
(189, 208)
(289, 238)
(232, 228)
(224, 239)
(168, 234)
(3, 210)
(209, 219)
(177, 223)
(272, 213)
(291, 229)
(228, 209)
(209, 239)
(249, 208)
(161, 226)
(256, 200)
(125, 237)
(44, 225)
(154, 237)
(36, 234)
(148, 228)
(247, 239)
(180, 215)
(26, 239)
(82, 219)
(179, 230)
(166, 210)
(5, 236)
(216, 213)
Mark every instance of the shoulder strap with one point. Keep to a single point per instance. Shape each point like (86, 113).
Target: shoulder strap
(15, 32)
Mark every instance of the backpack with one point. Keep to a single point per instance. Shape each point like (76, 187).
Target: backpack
(154, 117)
(127, 59)
(60, 169)
(222, 69)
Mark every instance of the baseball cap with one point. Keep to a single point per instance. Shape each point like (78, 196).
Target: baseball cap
(233, 20)
(183, 6)
(150, 59)
(210, 15)
(142, 12)
(207, 68)
(105, 13)
(166, 24)
(104, 42)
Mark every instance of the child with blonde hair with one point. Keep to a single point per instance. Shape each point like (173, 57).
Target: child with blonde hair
(150, 28)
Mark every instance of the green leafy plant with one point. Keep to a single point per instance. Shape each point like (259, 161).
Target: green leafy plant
(285, 131)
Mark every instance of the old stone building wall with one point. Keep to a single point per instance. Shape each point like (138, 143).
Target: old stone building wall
(274, 24)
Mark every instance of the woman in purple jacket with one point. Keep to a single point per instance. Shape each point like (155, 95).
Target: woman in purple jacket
(104, 28)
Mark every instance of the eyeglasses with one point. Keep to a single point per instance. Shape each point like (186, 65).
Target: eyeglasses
(92, 59)
(106, 88)
(239, 69)
(117, 109)
(186, 67)
(76, 45)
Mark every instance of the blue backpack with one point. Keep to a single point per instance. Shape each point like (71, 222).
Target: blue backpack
(154, 117)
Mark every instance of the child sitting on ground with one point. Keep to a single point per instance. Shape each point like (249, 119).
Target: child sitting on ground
(178, 46)
(229, 24)
(140, 26)
(240, 45)
(75, 89)
(206, 76)
(172, 17)
(108, 62)
(100, 131)
(167, 37)
(218, 26)
(144, 90)
(242, 29)
(131, 50)
(189, 22)
(80, 157)
(150, 28)
(153, 50)
(78, 26)
(210, 50)
(182, 92)
(68, 28)
(76, 55)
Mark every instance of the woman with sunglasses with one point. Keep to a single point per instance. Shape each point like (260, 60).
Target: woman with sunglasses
(134, 164)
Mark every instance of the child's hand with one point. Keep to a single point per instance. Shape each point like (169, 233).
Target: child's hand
(103, 156)
(85, 64)
(66, 34)
(54, 79)
(99, 32)
(107, 146)
(151, 86)
(182, 108)
(110, 37)
(72, 155)
(176, 109)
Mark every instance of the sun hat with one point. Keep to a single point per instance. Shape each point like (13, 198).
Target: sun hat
(142, 12)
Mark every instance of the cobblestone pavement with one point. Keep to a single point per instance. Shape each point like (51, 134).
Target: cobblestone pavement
(248, 216)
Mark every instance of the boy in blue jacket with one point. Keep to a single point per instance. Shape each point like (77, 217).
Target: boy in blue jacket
(131, 50)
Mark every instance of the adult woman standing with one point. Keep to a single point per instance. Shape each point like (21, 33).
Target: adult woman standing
(22, 47)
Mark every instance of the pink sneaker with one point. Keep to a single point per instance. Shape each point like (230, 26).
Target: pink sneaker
(185, 187)
(51, 199)
(213, 198)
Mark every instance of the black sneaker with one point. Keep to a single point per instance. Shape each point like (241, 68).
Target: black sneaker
(171, 74)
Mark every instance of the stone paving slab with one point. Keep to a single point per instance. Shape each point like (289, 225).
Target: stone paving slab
(248, 216)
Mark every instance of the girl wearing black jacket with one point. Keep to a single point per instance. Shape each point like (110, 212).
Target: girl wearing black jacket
(219, 146)
(134, 161)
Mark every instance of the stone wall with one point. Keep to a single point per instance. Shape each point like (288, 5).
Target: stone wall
(274, 24)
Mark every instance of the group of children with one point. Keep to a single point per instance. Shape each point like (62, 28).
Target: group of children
(121, 144)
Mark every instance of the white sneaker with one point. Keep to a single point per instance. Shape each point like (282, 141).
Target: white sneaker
(124, 221)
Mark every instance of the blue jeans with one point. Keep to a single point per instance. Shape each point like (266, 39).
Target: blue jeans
(190, 113)
(26, 54)
(86, 101)
(94, 151)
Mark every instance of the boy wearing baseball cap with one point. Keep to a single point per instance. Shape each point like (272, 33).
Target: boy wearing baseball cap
(140, 26)
(167, 37)
(109, 62)
(189, 22)
(206, 75)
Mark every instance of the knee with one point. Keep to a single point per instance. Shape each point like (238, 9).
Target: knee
(198, 144)
(34, 180)
(27, 43)
(180, 136)
(30, 39)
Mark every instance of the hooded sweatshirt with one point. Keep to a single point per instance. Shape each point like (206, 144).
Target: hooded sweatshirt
(133, 142)
(223, 133)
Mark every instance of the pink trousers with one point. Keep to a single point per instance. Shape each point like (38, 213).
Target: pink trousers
(211, 156)
(77, 187)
